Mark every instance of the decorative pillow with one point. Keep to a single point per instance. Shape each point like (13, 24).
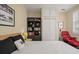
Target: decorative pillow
(19, 44)
(15, 38)
(7, 46)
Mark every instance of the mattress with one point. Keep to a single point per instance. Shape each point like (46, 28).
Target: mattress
(47, 47)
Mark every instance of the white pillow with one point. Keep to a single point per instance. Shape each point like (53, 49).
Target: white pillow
(19, 44)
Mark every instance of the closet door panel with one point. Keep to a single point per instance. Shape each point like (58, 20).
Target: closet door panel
(45, 29)
(52, 29)
(48, 29)
(45, 12)
(53, 12)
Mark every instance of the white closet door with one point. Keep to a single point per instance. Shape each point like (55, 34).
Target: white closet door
(48, 12)
(52, 12)
(52, 29)
(45, 12)
(56, 30)
(49, 29)
(45, 29)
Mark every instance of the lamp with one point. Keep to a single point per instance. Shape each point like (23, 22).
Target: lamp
(60, 25)
(25, 34)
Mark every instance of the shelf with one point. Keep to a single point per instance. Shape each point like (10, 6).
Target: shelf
(34, 28)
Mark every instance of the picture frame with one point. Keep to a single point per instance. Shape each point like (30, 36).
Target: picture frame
(7, 15)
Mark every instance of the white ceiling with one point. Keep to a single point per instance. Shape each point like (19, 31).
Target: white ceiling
(59, 7)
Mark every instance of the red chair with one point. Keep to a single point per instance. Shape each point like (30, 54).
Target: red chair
(67, 38)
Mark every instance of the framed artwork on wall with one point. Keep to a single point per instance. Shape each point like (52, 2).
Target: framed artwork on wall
(7, 15)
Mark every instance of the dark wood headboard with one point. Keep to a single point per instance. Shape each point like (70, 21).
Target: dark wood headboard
(3, 37)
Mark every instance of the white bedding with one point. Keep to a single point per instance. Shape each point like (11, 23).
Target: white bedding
(47, 47)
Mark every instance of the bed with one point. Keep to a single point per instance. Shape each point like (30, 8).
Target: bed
(8, 46)
(46, 47)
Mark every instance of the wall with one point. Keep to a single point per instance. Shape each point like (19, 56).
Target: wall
(70, 20)
(20, 20)
(62, 18)
(33, 13)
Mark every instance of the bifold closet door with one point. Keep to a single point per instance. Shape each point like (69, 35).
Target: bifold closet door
(49, 29)
(52, 29)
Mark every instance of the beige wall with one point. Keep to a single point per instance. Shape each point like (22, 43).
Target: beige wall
(33, 13)
(70, 20)
(20, 20)
(62, 18)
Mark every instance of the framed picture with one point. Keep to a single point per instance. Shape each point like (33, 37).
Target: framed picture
(7, 15)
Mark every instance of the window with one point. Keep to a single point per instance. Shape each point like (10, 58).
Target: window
(76, 22)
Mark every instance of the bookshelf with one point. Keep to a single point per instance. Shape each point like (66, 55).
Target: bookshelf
(34, 28)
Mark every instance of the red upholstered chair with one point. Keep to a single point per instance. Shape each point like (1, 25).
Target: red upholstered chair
(67, 38)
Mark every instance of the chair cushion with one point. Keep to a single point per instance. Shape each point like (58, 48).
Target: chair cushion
(71, 40)
(75, 43)
(65, 33)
